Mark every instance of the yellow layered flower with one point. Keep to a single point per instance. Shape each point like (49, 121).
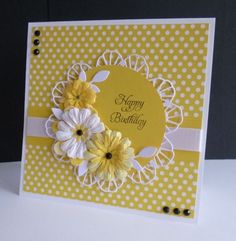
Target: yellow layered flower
(109, 155)
(78, 94)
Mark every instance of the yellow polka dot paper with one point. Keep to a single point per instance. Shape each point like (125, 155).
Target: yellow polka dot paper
(116, 113)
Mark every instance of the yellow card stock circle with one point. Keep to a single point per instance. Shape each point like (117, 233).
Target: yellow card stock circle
(128, 102)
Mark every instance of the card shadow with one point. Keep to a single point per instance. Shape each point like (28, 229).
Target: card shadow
(10, 177)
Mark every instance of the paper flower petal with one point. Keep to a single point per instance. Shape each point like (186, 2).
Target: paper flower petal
(72, 152)
(57, 149)
(63, 135)
(81, 149)
(98, 128)
(83, 167)
(65, 146)
(62, 126)
(92, 121)
(67, 119)
(83, 115)
(74, 115)
(57, 112)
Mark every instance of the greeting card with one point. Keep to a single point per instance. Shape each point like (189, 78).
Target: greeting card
(116, 113)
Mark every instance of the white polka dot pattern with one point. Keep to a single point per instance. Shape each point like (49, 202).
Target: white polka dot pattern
(173, 51)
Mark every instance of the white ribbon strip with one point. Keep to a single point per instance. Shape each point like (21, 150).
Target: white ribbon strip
(36, 127)
(186, 139)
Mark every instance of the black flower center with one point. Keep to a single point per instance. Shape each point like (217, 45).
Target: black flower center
(77, 97)
(79, 132)
(108, 155)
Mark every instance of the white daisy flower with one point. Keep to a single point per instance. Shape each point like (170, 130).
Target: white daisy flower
(75, 127)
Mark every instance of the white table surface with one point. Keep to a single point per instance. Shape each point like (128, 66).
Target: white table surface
(31, 219)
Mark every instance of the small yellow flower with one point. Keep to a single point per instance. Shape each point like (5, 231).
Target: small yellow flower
(54, 126)
(78, 94)
(109, 155)
(75, 162)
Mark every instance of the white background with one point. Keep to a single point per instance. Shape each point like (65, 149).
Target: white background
(31, 219)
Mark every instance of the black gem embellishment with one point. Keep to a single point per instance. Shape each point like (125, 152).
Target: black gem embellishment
(79, 132)
(36, 42)
(186, 212)
(176, 211)
(37, 33)
(166, 209)
(36, 52)
(108, 155)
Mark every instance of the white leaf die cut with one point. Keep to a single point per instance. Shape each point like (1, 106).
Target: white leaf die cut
(100, 76)
(160, 157)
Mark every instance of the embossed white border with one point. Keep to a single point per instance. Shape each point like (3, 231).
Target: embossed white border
(211, 34)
